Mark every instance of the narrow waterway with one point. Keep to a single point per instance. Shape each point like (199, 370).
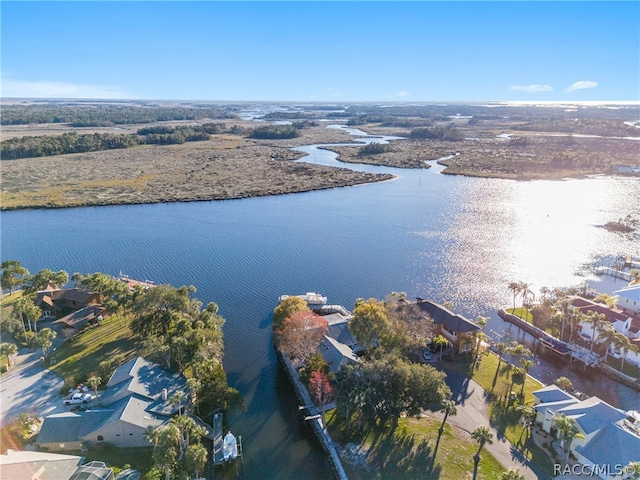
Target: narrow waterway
(448, 238)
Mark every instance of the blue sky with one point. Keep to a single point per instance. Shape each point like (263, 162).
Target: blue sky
(323, 51)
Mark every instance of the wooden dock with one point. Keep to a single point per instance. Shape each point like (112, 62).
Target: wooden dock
(218, 454)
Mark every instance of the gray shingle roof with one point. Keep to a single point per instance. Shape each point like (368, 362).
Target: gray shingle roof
(336, 354)
(552, 393)
(613, 445)
(17, 465)
(441, 314)
(60, 428)
(147, 379)
(593, 414)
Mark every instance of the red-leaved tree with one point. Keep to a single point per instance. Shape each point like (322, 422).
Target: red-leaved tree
(321, 390)
(300, 335)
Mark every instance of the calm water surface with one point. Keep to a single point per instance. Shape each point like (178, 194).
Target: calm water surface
(443, 237)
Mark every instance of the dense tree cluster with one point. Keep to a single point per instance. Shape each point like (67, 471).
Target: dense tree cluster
(275, 132)
(105, 115)
(47, 145)
(373, 149)
(380, 390)
(446, 132)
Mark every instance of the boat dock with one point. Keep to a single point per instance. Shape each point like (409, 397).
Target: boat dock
(552, 343)
(218, 440)
(613, 272)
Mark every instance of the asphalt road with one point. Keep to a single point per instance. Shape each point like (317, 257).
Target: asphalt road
(471, 404)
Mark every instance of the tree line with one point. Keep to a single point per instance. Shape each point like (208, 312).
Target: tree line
(106, 115)
(446, 132)
(73, 142)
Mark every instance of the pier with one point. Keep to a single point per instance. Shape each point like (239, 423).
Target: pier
(576, 352)
(613, 272)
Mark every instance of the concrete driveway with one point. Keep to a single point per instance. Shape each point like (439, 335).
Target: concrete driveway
(471, 404)
(29, 387)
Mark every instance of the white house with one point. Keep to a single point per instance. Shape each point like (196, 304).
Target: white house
(629, 298)
(610, 436)
(619, 320)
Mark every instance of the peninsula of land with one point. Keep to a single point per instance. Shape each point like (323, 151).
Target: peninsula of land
(230, 160)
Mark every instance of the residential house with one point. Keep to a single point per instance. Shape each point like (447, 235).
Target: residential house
(619, 320)
(58, 301)
(629, 299)
(336, 354)
(87, 315)
(137, 399)
(608, 437)
(458, 330)
(17, 465)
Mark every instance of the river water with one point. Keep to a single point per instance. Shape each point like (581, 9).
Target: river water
(448, 238)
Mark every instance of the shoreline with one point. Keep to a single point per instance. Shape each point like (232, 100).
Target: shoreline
(232, 167)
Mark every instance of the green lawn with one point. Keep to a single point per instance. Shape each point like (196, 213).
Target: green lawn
(413, 451)
(521, 312)
(504, 417)
(80, 357)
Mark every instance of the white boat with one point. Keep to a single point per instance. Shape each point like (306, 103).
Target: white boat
(229, 447)
(311, 298)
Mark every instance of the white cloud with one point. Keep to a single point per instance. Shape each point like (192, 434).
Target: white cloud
(45, 89)
(531, 88)
(582, 85)
(402, 94)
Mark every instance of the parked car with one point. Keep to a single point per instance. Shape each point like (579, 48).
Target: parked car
(77, 398)
(426, 355)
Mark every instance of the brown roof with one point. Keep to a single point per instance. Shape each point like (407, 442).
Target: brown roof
(82, 316)
(611, 315)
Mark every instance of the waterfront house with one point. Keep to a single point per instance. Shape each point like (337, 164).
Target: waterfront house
(619, 320)
(336, 354)
(78, 319)
(629, 299)
(458, 330)
(137, 398)
(57, 301)
(609, 437)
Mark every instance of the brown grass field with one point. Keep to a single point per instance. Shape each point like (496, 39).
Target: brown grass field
(234, 166)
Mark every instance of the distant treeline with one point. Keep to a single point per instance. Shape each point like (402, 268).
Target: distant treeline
(47, 145)
(105, 115)
(447, 132)
(275, 132)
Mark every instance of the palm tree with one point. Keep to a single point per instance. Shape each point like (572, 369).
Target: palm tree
(515, 288)
(528, 414)
(625, 345)
(576, 317)
(512, 474)
(568, 429)
(449, 408)
(8, 349)
(94, 381)
(482, 435)
(525, 292)
(608, 334)
(176, 400)
(596, 320)
(526, 365)
(501, 347)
